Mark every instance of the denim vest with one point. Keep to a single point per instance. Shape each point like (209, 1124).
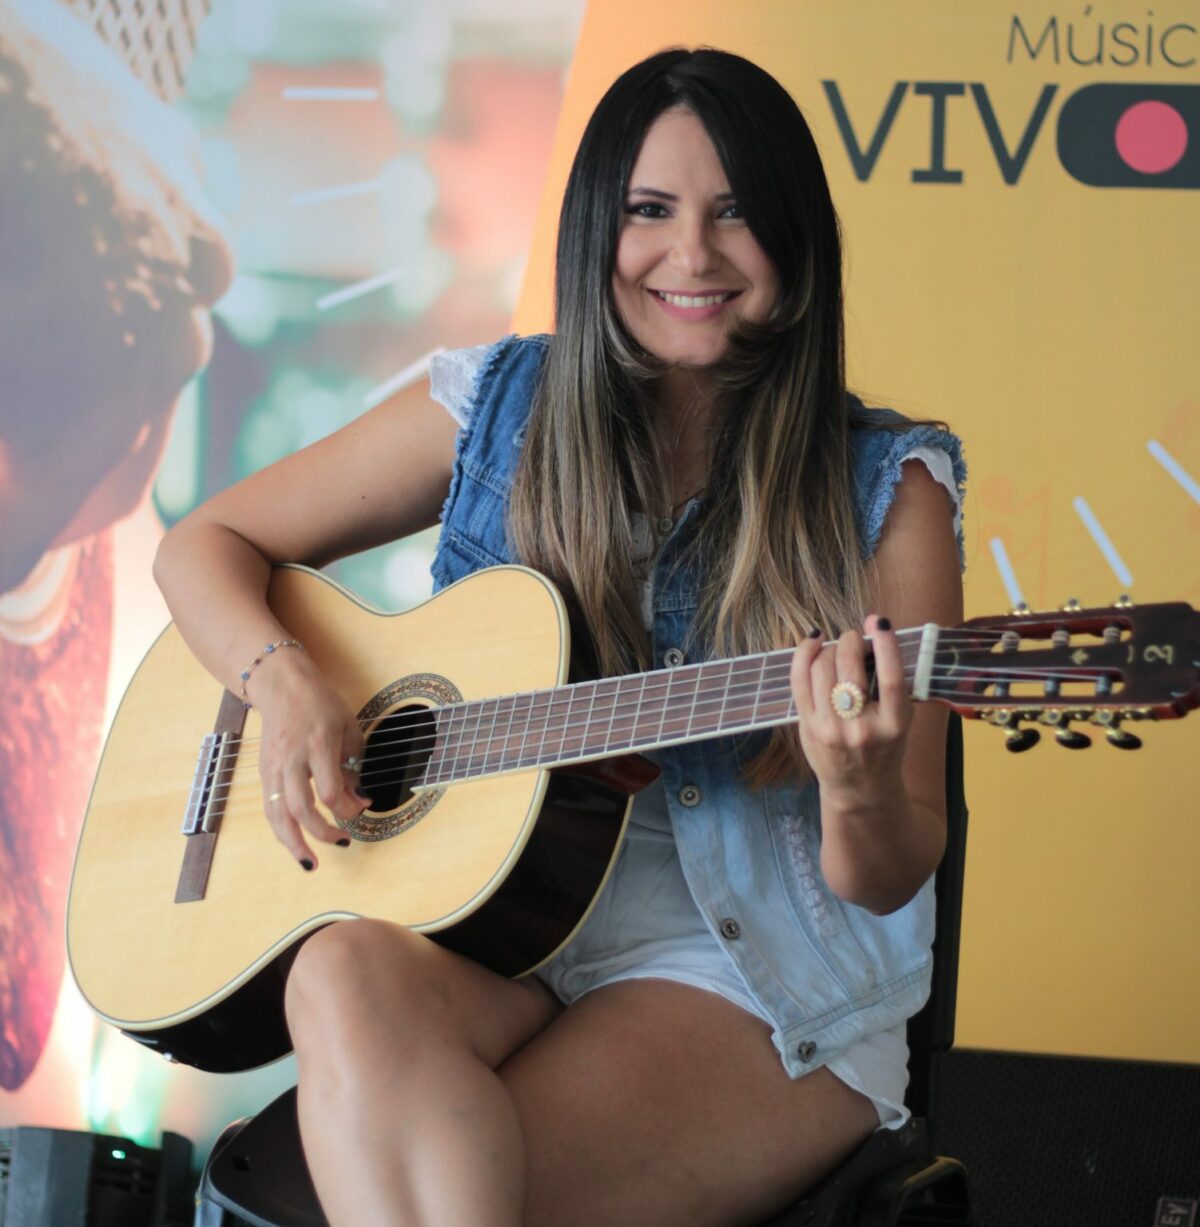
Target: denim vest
(826, 972)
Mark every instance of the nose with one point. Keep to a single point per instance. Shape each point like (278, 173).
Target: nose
(694, 251)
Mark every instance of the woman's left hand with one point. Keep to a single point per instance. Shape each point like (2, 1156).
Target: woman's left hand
(856, 755)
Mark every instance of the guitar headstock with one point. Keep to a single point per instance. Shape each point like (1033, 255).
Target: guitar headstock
(1105, 666)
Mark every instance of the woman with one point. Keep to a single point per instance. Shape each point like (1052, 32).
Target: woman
(683, 460)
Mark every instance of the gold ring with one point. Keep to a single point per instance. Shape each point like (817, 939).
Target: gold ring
(275, 796)
(847, 700)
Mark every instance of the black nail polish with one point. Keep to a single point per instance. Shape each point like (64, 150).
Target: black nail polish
(815, 633)
(884, 624)
(306, 865)
(343, 843)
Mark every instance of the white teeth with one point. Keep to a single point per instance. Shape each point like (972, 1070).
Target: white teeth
(687, 300)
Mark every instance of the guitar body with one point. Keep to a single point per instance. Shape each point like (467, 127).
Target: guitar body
(502, 869)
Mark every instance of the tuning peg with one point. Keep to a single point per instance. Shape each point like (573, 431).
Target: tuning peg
(1123, 740)
(1019, 610)
(1072, 605)
(1123, 601)
(1071, 739)
(1110, 721)
(1018, 740)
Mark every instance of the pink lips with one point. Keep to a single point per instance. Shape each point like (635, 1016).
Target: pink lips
(676, 311)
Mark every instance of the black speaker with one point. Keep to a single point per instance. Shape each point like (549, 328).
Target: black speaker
(1056, 1141)
(64, 1178)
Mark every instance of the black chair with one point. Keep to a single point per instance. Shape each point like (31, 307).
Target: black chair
(896, 1178)
(256, 1174)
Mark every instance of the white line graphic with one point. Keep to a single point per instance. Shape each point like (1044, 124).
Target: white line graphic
(401, 379)
(1177, 471)
(305, 93)
(359, 288)
(1007, 574)
(338, 193)
(1101, 538)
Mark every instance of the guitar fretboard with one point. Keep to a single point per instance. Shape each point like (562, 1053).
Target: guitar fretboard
(593, 720)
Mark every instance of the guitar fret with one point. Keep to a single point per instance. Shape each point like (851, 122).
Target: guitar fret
(758, 691)
(691, 716)
(539, 757)
(506, 749)
(587, 723)
(523, 755)
(612, 712)
(666, 706)
(566, 725)
(433, 770)
(493, 755)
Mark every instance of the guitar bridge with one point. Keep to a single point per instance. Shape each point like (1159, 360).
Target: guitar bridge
(206, 801)
(208, 797)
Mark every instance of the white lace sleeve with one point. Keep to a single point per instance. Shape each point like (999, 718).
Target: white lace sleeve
(452, 378)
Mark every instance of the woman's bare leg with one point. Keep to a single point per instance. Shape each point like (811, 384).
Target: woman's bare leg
(655, 1103)
(402, 1117)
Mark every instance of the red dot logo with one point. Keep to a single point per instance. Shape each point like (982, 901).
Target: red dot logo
(1131, 135)
(1151, 137)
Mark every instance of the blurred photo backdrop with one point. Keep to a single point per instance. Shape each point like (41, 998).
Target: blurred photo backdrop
(227, 227)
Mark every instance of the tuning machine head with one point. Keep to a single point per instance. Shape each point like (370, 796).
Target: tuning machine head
(1071, 739)
(1018, 740)
(1123, 740)
(1110, 721)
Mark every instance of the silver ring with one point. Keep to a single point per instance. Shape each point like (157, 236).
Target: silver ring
(275, 796)
(352, 764)
(847, 700)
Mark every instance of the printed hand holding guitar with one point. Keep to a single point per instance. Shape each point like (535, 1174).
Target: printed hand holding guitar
(498, 793)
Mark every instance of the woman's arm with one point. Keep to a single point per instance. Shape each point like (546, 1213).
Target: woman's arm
(383, 476)
(882, 775)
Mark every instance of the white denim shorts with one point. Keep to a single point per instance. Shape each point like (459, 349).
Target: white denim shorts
(646, 925)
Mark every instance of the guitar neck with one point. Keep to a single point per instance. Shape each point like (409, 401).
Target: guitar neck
(639, 712)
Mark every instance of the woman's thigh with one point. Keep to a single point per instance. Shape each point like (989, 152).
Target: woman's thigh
(355, 974)
(656, 1103)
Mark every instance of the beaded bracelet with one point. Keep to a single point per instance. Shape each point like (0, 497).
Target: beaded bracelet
(271, 647)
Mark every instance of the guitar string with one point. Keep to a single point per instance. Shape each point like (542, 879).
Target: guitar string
(234, 795)
(472, 715)
(472, 722)
(545, 719)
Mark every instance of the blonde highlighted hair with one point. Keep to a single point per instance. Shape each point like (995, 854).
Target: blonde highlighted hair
(775, 538)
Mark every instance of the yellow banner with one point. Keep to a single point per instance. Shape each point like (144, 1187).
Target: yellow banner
(1017, 186)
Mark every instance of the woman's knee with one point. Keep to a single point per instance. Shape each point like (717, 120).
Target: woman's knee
(349, 968)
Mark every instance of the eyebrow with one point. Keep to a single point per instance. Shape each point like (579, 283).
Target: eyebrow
(658, 194)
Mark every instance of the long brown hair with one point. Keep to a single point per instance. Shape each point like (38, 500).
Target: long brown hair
(775, 537)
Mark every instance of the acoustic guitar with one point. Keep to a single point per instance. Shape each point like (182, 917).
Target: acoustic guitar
(499, 791)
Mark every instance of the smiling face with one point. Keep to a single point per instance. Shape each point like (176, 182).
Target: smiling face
(688, 267)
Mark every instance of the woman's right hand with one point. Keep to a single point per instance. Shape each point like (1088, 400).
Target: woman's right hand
(308, 736)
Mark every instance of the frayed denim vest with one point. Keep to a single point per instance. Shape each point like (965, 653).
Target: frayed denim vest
(826, 972)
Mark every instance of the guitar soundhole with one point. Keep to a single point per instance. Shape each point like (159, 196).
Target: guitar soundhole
(400, 742)
(396, 753)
